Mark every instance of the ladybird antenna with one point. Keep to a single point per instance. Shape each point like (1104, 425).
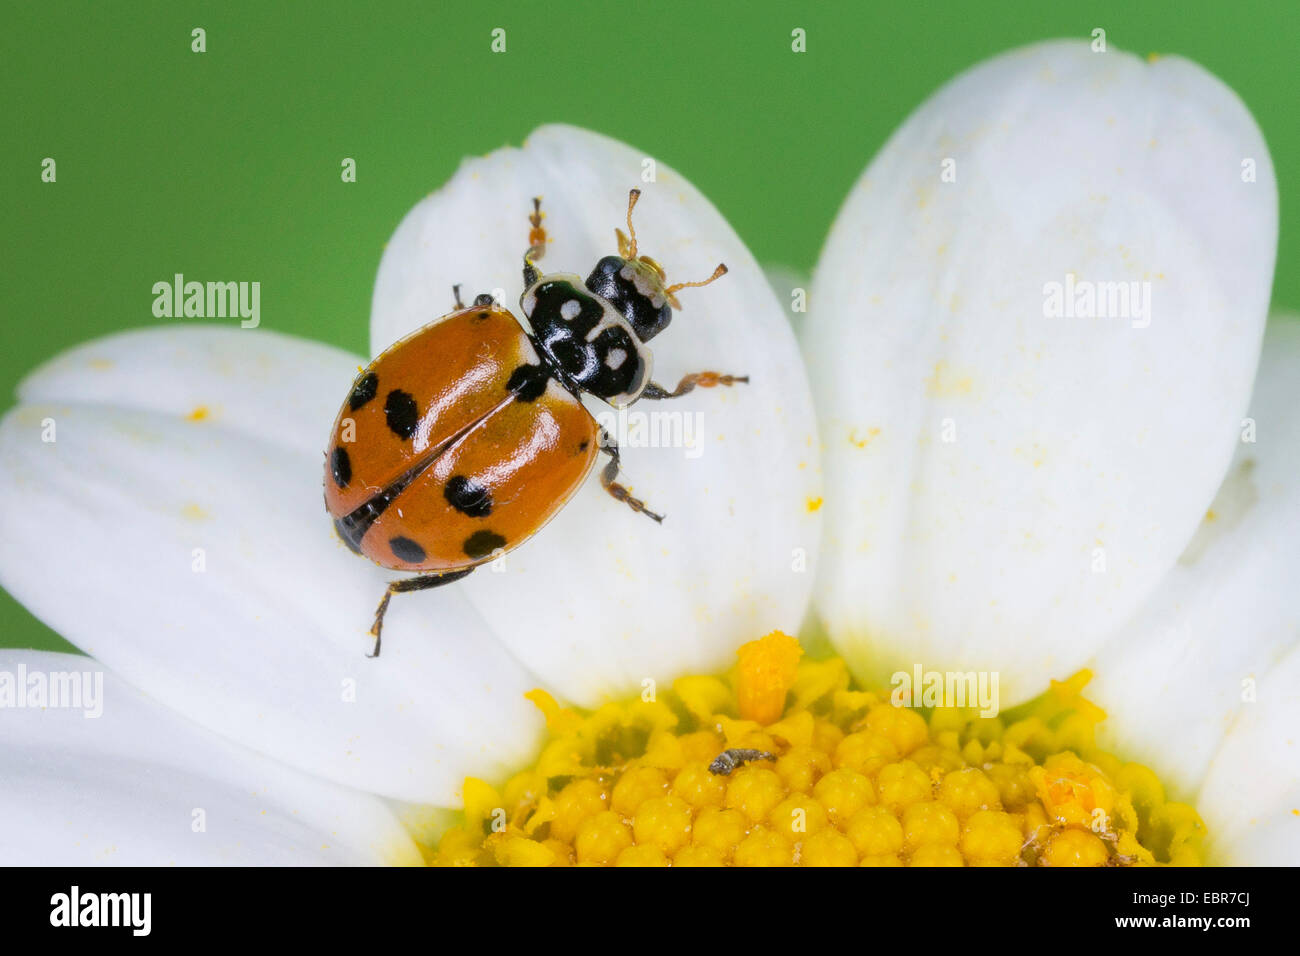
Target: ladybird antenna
(627, 246)
(718, 273)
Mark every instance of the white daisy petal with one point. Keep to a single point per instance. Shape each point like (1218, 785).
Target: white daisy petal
(200, 565)
(1251, 797)
(118, 780)
(1173, 680)
(604, 598)
(1004, 488)
(1272, 838)
(275, 387)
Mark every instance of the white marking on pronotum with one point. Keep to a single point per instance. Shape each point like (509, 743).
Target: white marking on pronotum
(570, 310)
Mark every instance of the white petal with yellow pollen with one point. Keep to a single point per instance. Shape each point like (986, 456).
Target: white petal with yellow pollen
(604, 598)
(282, 389)
(1174, 680)
(198, 562)
(137, 785)
(1004, 488)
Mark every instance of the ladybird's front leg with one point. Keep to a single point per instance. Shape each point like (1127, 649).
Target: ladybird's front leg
(609, 474)
(691, 382)
(537, 240)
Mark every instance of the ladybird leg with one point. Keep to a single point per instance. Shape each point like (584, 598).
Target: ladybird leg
(691, 382)
(421, 583)
(455, 291)
(609, 474)
(536, 243)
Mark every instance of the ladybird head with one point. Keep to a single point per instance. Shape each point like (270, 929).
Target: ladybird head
(636, 285)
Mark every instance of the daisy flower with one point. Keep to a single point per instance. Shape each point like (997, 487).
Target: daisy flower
(1012, 486)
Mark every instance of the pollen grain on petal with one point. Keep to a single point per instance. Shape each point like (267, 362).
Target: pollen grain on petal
(195, 512)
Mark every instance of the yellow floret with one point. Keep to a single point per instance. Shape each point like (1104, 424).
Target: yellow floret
(882, 859)
(460, 846)
(797, 816)
(699, 787)
(801, 767)
(875, 831)
(929, 822)
(720, 830)
(635, 787)
(701, 746)
(991, 837)
(764, 675)
(642, 856)
(664, 751)
(795, 731)
(967, 791)
(901, 784)
(663, 822)
(828, 847)
(1076, 848)
(694, 855)
(576, 803)
(937, 758)
(602, 838)
(826, 736)
(483, 805)
(763, 847)
(1015, 789)
(562, 851)
(559, 720)
(1073, 792)
(754, 791)
(704, 696)
(866, 752)
(519, 851)
(903, 727)
(936, 854)
(843, 793)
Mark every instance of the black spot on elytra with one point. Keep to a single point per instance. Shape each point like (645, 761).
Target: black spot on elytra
(406, 550)
(583, 446)
(528, 382)
(469, 496)
(482, 543)
(354, 526)
(401, 412)
(341, 466)
(365, 389)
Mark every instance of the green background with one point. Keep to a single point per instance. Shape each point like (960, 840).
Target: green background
(226, 164)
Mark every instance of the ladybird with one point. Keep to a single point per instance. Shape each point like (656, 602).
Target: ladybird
(459, 442)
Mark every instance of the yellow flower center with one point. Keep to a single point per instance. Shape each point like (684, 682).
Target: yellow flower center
(783, 762)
